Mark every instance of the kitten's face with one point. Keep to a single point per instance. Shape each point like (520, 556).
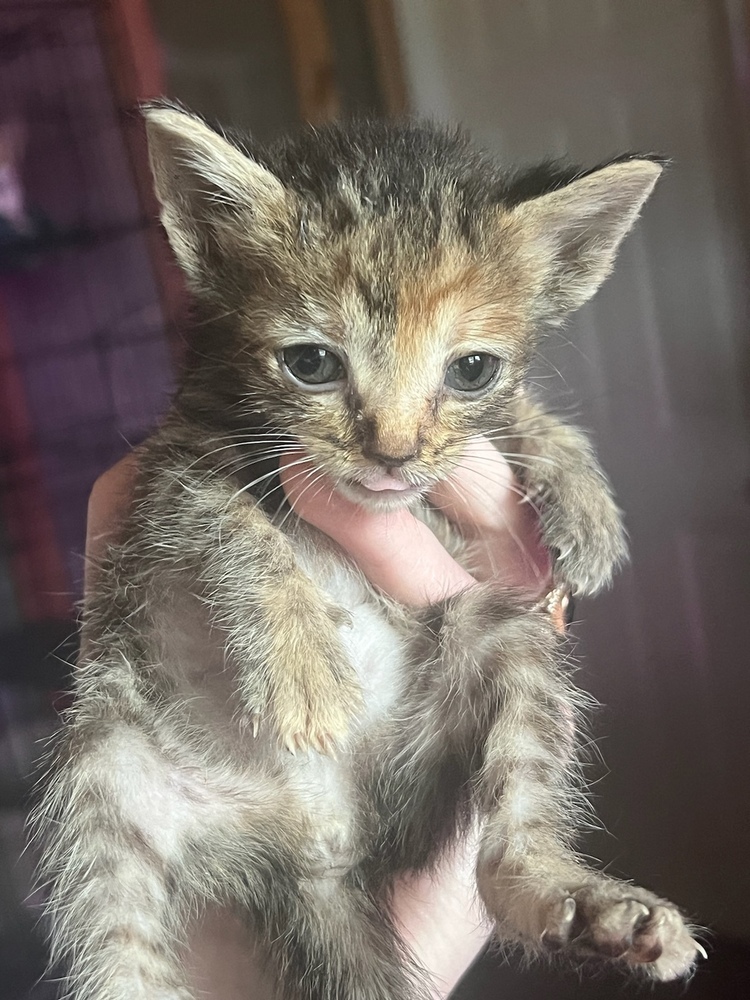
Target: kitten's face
(379, 307)
(386, 366)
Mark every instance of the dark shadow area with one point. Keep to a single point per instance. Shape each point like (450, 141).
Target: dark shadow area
(726, 976)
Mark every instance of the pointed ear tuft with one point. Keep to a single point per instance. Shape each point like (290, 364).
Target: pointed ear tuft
(214, 198)
(573, 233)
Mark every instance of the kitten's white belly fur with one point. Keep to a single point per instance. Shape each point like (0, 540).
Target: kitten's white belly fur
(376, 652)
(321, 786)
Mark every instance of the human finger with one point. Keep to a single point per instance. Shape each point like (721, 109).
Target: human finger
(108, 506)
(483, 498)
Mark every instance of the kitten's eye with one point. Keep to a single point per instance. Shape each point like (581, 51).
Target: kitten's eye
(474, 372)
(312, 365)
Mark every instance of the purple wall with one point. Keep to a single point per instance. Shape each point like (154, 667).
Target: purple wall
(84, 315)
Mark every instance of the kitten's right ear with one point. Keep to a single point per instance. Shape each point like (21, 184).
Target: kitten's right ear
(214, 199)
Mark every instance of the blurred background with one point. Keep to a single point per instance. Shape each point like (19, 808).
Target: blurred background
(91, 309)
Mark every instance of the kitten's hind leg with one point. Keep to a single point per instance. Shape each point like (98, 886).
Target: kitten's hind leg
(325, 935)
(116, 911)
(529, 877)
(136, 844)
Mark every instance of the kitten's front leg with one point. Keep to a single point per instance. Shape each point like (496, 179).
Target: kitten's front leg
(581, 523)
(279, 628)
(313, 690)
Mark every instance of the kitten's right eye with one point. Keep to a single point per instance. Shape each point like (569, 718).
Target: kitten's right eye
(313, 366)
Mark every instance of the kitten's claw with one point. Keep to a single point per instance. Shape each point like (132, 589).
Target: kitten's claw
(326, 744)
(700, 949)
(557, 932)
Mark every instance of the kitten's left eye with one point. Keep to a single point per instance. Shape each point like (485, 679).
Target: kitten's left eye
(312, 365)
(472, 373)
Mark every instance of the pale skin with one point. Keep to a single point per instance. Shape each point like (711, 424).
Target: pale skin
(438, 915)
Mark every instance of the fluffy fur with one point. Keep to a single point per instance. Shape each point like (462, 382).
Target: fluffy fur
(221, 631)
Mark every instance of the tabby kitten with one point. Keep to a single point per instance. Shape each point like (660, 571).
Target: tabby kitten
(372, 293)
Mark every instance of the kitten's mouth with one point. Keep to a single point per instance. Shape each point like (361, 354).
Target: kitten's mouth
(383, 488)
(384, 482)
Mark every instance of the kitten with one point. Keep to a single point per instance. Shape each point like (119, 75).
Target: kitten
(372, 292)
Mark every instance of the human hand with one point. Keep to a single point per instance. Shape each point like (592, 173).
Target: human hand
(396, 552)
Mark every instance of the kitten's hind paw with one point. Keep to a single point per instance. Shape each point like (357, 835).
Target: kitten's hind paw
(621, 922)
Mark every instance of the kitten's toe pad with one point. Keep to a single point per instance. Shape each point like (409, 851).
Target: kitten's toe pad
(623, 923)
(665, 943)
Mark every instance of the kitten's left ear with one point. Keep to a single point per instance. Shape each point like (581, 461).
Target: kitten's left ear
(573, 233)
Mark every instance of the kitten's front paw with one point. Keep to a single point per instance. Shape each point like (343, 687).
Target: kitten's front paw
(621, 922)
(588, 540)
(315, 703)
